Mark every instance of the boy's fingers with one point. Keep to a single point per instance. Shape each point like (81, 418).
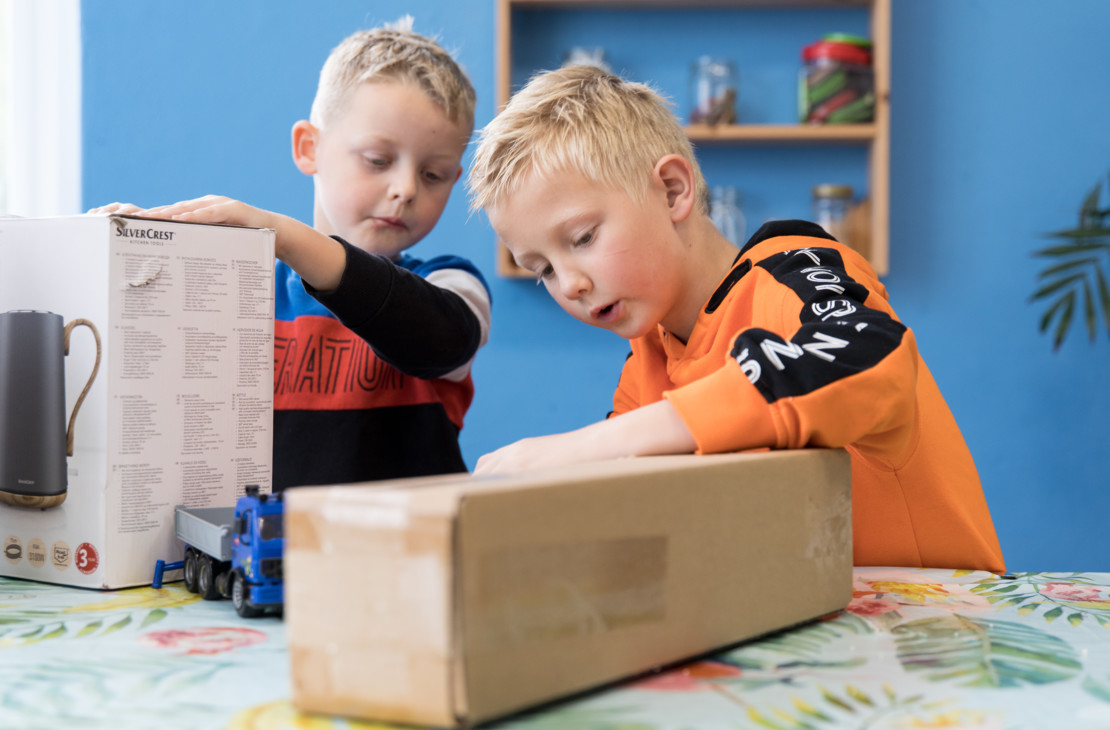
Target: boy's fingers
(116, 209)
(487, 463)
(183, 206)
(163, 210)
(186, 206)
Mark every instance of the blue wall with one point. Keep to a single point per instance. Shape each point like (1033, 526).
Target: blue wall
(998, 132)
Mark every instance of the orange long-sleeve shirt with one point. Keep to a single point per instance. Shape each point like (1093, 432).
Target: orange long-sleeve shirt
(799, 347)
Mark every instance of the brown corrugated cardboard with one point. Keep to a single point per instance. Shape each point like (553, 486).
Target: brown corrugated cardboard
(453, 600)
(180, 411)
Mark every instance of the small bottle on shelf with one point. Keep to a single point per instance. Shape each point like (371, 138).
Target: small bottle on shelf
(724, 211)
(713, 89)
(583, 56)
(830, 209)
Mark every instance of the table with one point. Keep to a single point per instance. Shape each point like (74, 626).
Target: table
(914, 649)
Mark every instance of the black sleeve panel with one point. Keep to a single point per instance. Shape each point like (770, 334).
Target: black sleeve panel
(839, 336)
(419, 328)
(790, 227)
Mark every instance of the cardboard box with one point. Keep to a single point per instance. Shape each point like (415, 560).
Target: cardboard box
(181, 409)
(453, 600)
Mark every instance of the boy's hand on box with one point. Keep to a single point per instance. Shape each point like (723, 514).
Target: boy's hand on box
(319, 259)
(116, 209)
(209, 209)
(652, 429)
(214, 209)
(530, 453)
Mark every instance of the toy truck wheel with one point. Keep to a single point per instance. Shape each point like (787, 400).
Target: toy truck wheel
(190, 570)
(206, 583)
(240, 597)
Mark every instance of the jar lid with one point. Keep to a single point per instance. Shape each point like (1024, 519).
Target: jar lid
(837, 51)
(832, 190)
(714, 64)
(855, 40)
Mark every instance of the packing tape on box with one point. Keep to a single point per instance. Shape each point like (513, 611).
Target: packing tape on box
(546, 592)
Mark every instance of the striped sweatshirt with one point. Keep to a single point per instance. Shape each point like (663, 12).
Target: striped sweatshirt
(372, 380)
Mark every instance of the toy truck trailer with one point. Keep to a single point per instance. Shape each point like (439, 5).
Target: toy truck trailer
(233, 552)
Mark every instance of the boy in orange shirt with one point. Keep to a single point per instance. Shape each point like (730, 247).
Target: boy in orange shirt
(790, 342)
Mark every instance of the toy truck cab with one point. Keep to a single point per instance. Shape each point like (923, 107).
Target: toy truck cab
(233, 552)
(257, 544)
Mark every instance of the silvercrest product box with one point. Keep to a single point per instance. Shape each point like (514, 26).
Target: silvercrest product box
(180, 410)
(453, 600)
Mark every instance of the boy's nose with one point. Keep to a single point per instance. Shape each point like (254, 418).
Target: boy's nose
(574, 283)
(402, 186)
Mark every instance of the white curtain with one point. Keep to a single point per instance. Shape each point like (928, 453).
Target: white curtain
(42, 107)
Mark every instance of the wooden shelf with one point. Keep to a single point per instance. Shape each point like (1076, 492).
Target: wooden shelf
(781, 133)
(869, 220)
(684, 4)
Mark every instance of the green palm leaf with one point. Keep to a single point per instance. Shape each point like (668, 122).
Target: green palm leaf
(1077, 274)
(853, 708)
(983, 653)
(1097, 688)
(154, 617)
(1089, 214)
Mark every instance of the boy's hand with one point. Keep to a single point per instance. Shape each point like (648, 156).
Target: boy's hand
(215, 209)
(319, 259)
(209, 209)
(116, 209)
(532, 453)
(652, 429)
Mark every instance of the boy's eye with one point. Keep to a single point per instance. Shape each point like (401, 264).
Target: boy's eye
(376, 162)
(433, 176)
(585, 238)
(544, 273)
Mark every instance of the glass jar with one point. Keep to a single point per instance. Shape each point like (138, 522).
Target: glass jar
(724, 211)
(713, 91)
(583, 56)
(837, 84)
(830, 209)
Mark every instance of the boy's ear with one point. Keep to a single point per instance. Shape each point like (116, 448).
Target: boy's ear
(305, 137)
(676, 175)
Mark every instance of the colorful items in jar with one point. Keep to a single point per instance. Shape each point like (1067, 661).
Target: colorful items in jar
(837, 83)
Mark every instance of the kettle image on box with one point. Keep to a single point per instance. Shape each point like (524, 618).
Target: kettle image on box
(34, 439)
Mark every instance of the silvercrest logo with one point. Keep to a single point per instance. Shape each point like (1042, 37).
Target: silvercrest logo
(152, 234)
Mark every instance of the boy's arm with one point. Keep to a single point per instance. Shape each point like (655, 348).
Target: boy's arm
(649, 430)
(423, 330)
(420, 328)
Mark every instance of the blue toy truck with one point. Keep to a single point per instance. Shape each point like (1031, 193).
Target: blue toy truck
(233, 552)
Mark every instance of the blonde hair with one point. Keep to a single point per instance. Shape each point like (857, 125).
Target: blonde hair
(579, 119)
(394, 52)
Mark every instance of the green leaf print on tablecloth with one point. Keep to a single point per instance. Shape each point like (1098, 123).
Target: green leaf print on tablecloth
(983, 653)
(850, 705)
(24, 631)
(782, 657)
(1071, 595)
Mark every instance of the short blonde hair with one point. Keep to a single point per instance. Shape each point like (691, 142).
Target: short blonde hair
(394, 53)
(579, 119)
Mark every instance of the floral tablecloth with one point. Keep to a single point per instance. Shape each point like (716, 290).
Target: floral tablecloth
(914, 649)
